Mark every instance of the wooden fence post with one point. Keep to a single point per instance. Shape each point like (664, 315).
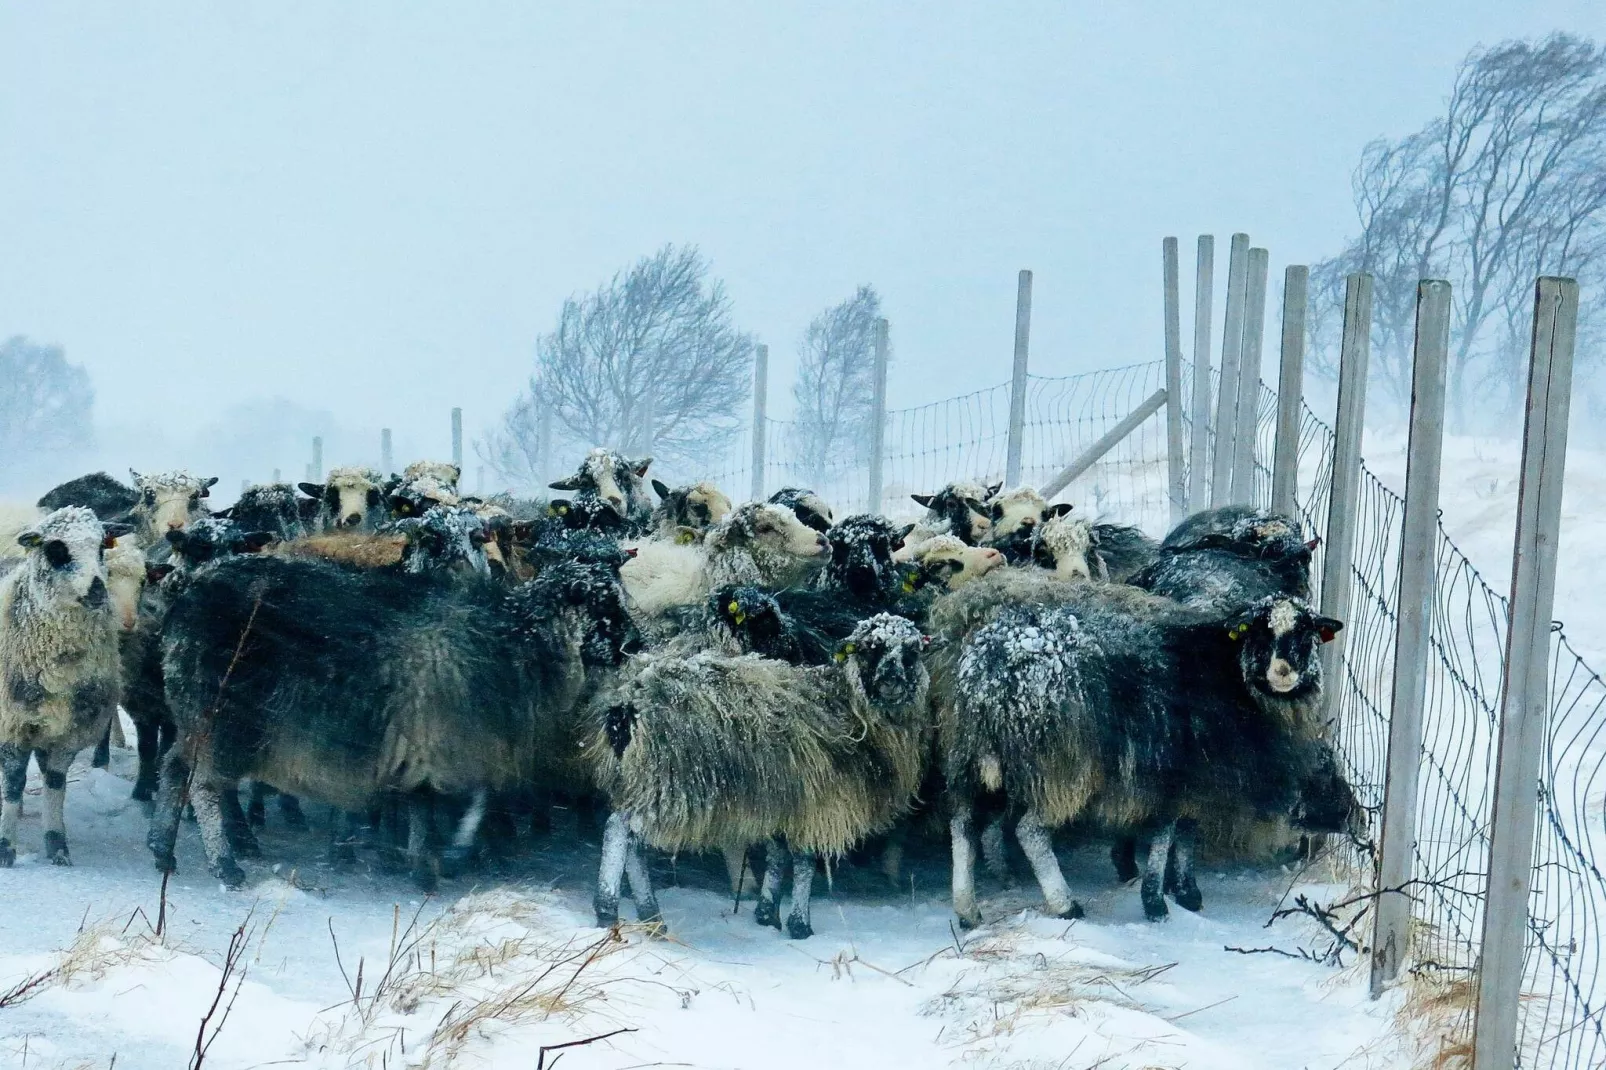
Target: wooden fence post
(1199, 440)
(457, 439)
(543, 440)
(317, 460)
(1232, 343)
(387, 463)
(1247, 422)
(277, 477)
(1108, 441)
(1290, 392)
(1412, 631)
(761, 388)
(1176, 481)
(878, 411)
(1525, 697)
(1018, 380)
(1354, 353)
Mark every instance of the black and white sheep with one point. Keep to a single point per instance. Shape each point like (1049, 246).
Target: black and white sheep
(1129, 710)
(351, 498)
(708, 751)
(270, 507)
(609, 494)
(346, 686)
(1222, 559)
(98, 492)
(1016, 516)
(168, 501)
(960, 509)
(808, 506)
(58, 664)
(685, 514)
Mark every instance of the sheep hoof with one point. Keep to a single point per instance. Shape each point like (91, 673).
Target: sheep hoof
(767, 912)
(1074, 912)
(798, 928)
(1190, 899)
(229, 872)
(56, 849)
(245, 845)
(163, 857)
(1155, 911)
(968, 922)
(652, 919)
(290, 811)
(144, 791)
(8, 854)
(607, 908)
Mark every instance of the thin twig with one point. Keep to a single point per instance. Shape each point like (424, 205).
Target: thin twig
(540, 1062)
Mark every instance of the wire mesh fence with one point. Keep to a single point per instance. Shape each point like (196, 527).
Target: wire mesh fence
(1564, 1014)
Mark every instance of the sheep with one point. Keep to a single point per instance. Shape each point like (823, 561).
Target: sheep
(346, 686)
(808, 506)
(1122, 550)
(58, 664)
(959, 509)
(443, 537)
(686, 513)
(351, 498)
(1073, 548)
(270, 507)
(1016, 515)
(710, 751)
(99, 492)
(610, 495)
(1129, 709)
(947, 560)
(168, 501)
(759, 544)
(1222, 559)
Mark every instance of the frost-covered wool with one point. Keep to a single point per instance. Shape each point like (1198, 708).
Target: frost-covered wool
(446, 536)
(444, 473)
(1064, 545)
(352, 684)
(58, 663)
(959, 509)
(765, 545)
(1222, 559)
(684, 514)
(15, 518)
(706, 751)
(125, 580)
(98, 492)
(413, 497)
(270, 507)
(1016, 515)
(861, 561)
(947, 562)
(808, 506)
(1123, 708)
(167, 501)
(1122, 550)
(610, 493)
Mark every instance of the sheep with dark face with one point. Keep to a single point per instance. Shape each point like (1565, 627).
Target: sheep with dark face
(270, 507)
(808, 506)
(708, 751)
(58, 664)
(1133, 711)
(610, 494)
(98, 492)
(168, 501)
(421, 487)
(347, 686)
(861, 562)
(686, 513)
(443, 538)
(1222, 559)
(959, 509)
(351, 498)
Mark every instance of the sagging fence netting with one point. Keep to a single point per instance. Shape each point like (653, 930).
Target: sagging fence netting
(1563, 1022)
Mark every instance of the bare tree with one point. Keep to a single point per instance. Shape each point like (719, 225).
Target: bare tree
(649, 363)
(1508, 184)
(836, 383)
(45, 403)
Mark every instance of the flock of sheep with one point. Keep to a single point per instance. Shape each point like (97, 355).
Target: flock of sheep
(437, 668)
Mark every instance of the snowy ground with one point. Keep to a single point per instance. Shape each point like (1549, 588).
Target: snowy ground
(484, 977)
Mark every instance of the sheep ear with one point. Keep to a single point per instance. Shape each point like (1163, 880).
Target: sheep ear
(660, 489)
(641, 466)
(157, 573)
(1328, 627)
(116, 529)
(256, 540)
(567, 483)
(30, 540)
(136, 476)
(924, 499)
(903, 534)
(993, 490)
(211, 481)
(1061, 509)
(223, 514)
(311, 490)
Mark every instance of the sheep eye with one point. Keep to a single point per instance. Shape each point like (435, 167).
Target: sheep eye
(57, 553)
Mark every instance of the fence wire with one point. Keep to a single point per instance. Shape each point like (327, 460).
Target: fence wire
(1563, 1019)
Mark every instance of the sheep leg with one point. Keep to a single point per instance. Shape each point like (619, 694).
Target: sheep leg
(1184, 840)
(610, 876)
(290, 811)
(455, 860)
(103, 750)
(994, 854)
(146, 741)
(256, 811)
(892, 855)
(14, 774)
(767, 911)
(541, 812)
(1124, 854)
(647, 910)
(207, 799)
(1153, 888)
(735, 866)
(169, 809)
(242, 840)
(1039, 847)
(53, 767)
(420, 862)
(797, 921)
(345, 833)
(964, 866)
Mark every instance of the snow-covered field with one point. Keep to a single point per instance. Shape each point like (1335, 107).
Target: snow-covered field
(483, 977)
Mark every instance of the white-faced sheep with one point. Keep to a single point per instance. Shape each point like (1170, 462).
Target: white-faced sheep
(610, 494)
(960, 509)
(351, 498)
(168, 501)
(1133, 711)
(58, 664)
(685, 514)
(808, 506)
(708, 752)
(1016, 515)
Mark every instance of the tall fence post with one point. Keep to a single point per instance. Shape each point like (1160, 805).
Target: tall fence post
(1018, 381)
(387, 463)
(1412, 630)
(1524, 699)
(1290, 391)
(1247, 422)
(1199, 442)
(761, 387)
(277, 476)
(1177, 484)
(317, 460)
(1354, 353)
(1232, 343)
(543, 439)
(457, 439)
(878, 411)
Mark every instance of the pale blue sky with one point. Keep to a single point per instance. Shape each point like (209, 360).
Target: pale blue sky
(383, 204)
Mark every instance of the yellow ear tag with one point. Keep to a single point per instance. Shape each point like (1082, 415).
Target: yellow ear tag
(849, 649)
(741, 618)
(908, 586)
(840, 657)
(734, 607)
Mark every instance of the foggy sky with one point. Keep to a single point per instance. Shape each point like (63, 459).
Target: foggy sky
(374, 209)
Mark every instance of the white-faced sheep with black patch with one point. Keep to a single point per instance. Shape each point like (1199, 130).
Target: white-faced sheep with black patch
(351, 498)
(1016, 515)
(168, 501)
(959, 509)
(609, 494)
(58, 665)
(809, 507)
(685, 514)
(713, 752)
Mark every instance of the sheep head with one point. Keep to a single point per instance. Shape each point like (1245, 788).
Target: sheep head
(861, 554)
(445, 537)
(961, 509)
(1277, 640)
(126, 573)
(684, 513)
(615, 481)
(66, 556)
(782, 548)
(1016, 515)
(213, 537)
(947, 562)
(351, 497)
(1066, 547)
(808, 506)
(882, 658)
(168, 501)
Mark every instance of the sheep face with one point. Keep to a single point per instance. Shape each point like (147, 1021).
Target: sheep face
(1066, 547)
(1278, 639)
(947, 561)
(412, 498)
(125, 579)
(686, 512)
(1016, 516)
(351, 497)
(66, 551)
(168, 501)
(747, 611)
(211, 538)
(961, 508)
(770, 530)
(616, 482)
(808, 506)
(883, 658)
(445, 537)
(861, 554)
